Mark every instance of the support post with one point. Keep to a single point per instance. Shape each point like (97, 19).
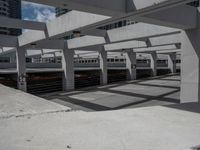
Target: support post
(190, 66)
(172, 62)
(153, 57)
(131, 65)
(21, 69)
(68, 68)
(103, 67)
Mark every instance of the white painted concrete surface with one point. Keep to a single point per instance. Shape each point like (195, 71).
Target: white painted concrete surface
(16, 103)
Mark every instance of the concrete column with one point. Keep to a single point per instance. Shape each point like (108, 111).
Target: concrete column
(21, 69)
(172, 62)
(190, 66)
(103, 67)
(153, 57)
(68, 67)
(131, 65)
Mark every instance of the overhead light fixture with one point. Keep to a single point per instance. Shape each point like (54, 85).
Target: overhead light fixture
(76, 34)
(65, 5)
(33, 45)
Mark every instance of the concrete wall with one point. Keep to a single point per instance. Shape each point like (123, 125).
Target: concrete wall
(43, 65)
(7, 65)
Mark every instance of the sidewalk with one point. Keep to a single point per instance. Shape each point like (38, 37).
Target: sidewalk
(173, 127)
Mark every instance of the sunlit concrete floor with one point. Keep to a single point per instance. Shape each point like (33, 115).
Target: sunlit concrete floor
(15, 103)
(44, 125)
(174, 127)
(163, 90)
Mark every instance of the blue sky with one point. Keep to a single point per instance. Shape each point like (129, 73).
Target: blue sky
(37, 12)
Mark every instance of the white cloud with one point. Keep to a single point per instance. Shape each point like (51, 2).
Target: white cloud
(41, 13)
(44, 15)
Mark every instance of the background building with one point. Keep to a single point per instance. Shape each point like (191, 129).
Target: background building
(12, 9)
(60, 11)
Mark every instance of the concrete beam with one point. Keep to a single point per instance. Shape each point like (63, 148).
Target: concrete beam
(47, 44)
(5, 52)
(91, 48)
(21, 69)
(125, 45)
(111, 7)
(58, 28)
(68, 67)
(168, 51)
(31, 37)
(21, 24)
(95, 32)
(75, 21)
(131, 64)
(190, 66)
(172, 62)
(156, 48)
(138, 31)
(81, 43)
(85, 41)
(41, 53)
(154, 58)
(104, 7)
(165, 40)
(182, 17)
(103, 66)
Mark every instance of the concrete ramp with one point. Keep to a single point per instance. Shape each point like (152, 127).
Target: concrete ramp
(151, 128)
(14, 103)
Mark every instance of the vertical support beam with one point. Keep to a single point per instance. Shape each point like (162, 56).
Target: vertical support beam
(153, 57)
(172, 62)
(190, 66)
(21, 69)
(104, 63)
(13, 58)
(103, 67)
(68, 68)
(131, 65)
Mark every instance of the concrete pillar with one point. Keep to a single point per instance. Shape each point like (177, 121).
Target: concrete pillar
(190, 66)
(153, 57)
(103, 67)
(131, 65)
(68, 68)
(172, 62)
(21, 69)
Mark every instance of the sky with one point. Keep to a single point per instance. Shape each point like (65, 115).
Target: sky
(37, 12)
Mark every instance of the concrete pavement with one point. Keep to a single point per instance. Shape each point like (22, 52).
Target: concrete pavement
(163, 90)
(14, 103)
(173, 127)
(29, 122)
